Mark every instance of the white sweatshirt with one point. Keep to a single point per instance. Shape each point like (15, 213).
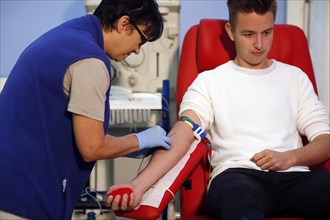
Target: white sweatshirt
(245, 111)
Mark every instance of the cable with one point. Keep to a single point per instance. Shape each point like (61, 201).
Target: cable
(93, 197)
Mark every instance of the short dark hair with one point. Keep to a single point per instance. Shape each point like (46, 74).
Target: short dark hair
(141, 12)
(247, 6)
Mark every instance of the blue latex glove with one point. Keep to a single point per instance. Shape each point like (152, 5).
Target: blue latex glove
(153, 137)
(149, 141)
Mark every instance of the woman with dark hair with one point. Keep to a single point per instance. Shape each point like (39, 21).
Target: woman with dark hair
(55, 109)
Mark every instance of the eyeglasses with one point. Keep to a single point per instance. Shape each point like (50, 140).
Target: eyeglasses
(143, 38)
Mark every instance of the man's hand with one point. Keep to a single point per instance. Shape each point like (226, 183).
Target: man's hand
(273, 160)
(128, 202)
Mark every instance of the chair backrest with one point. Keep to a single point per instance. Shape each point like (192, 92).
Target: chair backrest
(207, 45)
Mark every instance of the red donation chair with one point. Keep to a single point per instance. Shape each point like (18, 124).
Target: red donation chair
(207, 45)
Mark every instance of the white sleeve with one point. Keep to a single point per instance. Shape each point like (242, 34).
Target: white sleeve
(313, 118)
(197, 98)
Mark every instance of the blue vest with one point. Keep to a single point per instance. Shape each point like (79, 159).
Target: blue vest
(42, 174)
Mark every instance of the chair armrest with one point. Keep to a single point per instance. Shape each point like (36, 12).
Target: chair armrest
(193, 193)
(146, 212)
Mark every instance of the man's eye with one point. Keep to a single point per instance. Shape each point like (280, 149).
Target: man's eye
(247, 34)
(267, 32)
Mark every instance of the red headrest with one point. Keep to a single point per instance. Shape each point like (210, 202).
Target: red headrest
(214, 47)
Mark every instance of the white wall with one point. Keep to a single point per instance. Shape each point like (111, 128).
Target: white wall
(313, 17)
(319, 39)
(22, 21)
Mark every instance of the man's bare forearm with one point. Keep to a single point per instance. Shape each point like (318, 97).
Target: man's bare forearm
(315, 152)
(164, 160)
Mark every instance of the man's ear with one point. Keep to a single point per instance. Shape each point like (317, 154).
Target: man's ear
(229, 31)
(122, 24)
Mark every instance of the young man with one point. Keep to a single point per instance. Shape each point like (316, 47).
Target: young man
(55, 109)
(254, 110)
